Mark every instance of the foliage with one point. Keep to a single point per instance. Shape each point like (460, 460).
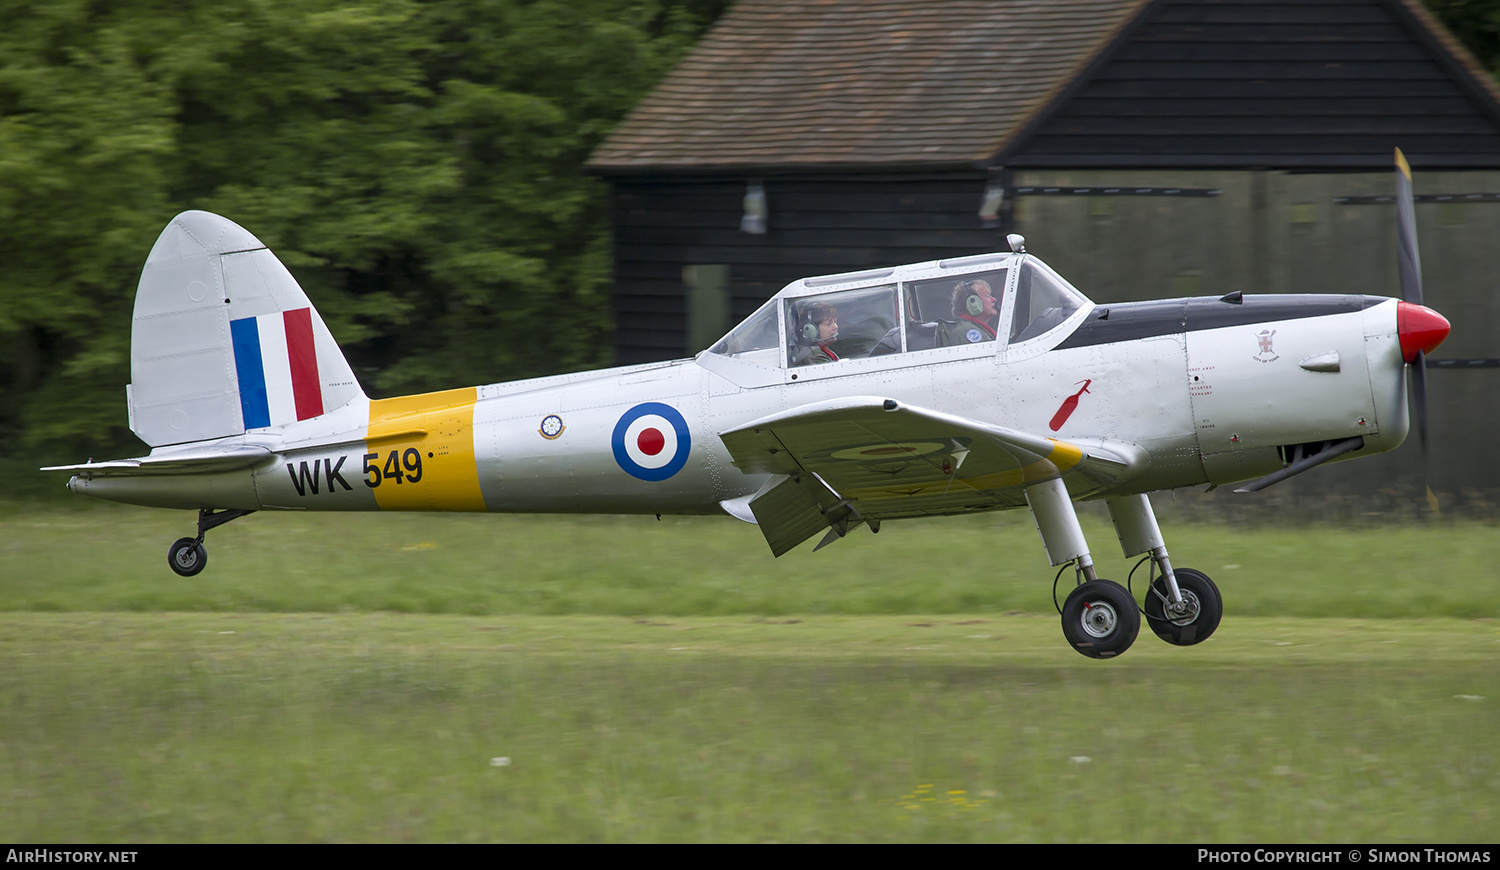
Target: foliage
(416, 165)
(1476, 23)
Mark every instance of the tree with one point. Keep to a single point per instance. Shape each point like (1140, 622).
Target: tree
(85, 138)
(415, 164)
(1476, 23)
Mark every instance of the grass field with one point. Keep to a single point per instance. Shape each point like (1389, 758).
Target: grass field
(108, 557)
(421, 678)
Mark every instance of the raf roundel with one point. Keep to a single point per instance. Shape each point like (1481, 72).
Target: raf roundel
(651, 441)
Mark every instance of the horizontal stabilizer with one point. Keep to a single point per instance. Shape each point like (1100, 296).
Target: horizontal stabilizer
(194, 461)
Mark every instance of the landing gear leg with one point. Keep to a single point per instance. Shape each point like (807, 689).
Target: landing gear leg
(1099, 617)
(1183, 606)
(188, 556)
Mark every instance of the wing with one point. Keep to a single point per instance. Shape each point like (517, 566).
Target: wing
(870, 459)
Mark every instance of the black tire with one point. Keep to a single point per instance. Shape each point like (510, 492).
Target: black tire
(1100, 619)
(187, 556)
(1203, 597)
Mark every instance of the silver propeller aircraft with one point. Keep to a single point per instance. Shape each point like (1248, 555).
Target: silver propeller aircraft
(972, 384)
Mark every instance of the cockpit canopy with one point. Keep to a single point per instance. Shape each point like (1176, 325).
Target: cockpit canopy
(988, 301)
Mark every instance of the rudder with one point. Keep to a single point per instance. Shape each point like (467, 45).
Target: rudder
(224, 340)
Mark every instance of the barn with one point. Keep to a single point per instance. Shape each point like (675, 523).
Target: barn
(1145, 148)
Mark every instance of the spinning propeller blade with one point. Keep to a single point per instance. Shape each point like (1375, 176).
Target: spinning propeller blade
(1419, 402)
(1406, 233)
(1415, 322)
(1420, 330)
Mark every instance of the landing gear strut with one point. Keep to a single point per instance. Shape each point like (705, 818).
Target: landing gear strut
(1099, 617)
(187, 556)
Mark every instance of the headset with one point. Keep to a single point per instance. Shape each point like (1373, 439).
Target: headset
(809, 327)
(972, 303)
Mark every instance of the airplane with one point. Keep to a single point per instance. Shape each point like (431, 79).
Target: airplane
(969, 384)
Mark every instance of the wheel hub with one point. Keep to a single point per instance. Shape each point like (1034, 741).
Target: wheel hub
(1099, 619)
(1186, 612)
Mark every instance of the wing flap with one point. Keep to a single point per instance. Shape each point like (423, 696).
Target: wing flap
(791, 512)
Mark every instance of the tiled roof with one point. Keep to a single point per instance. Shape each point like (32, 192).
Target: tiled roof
(863, 83)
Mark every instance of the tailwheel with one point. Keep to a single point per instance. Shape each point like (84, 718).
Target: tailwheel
(187, 556)
(1203, 606)
(1100, 619)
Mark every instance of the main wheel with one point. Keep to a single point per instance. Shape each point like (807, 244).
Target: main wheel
(1205, 606)
(187, 556)
(1100, 619)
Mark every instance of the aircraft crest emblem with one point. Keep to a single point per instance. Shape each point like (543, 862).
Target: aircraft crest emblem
(1267, 352)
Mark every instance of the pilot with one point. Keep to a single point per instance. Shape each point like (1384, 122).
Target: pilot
(817, 328)
(977, 311)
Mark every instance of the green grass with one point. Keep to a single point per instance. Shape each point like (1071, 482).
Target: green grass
(112, 558)
(358, 677)
(223, 727)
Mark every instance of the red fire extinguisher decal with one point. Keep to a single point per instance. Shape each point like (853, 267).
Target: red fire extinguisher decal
(1069, 405)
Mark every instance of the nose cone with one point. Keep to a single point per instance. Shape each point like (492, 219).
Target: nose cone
(1421, 329)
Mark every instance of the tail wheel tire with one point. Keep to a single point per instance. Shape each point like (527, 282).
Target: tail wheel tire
(1205, 608)
(187, 556)
(1100, 619)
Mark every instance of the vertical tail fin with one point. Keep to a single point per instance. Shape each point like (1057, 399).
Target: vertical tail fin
(224, 340)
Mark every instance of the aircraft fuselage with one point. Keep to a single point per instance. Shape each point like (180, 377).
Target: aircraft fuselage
(1212, 391)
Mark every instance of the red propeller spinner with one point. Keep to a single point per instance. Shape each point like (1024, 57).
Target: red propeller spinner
(1421, 329)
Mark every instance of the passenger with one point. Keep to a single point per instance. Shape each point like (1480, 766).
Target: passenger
(978, 313)
(817, 328)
